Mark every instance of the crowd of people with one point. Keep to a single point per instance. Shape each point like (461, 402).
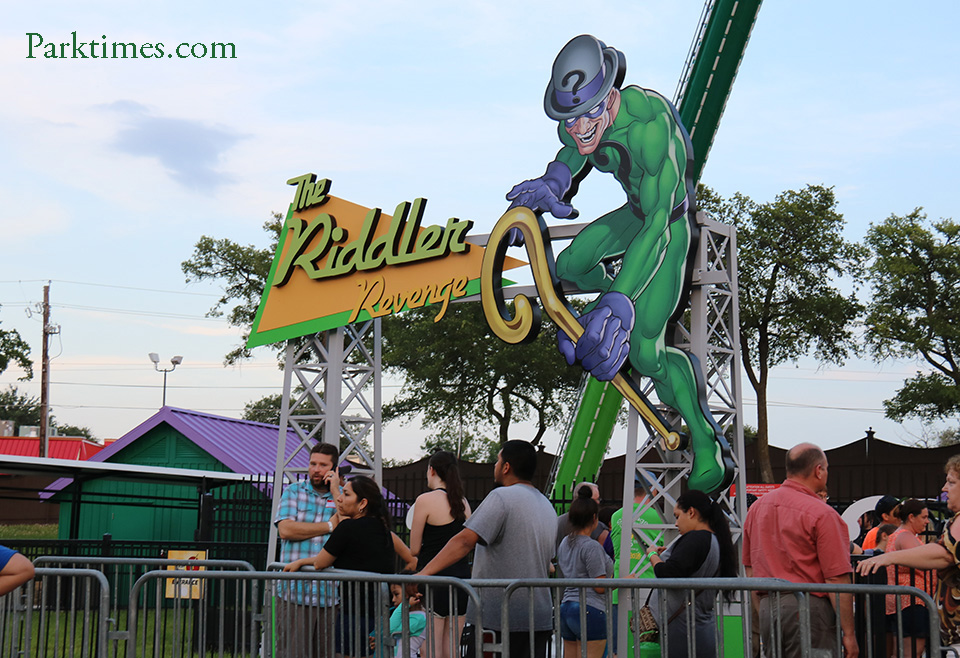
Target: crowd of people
(789, 534)
(513, 534)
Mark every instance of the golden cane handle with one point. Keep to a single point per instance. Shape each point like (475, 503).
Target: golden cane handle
(518, 328)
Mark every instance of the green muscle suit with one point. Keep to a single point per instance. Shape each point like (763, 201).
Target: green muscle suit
(634, 134)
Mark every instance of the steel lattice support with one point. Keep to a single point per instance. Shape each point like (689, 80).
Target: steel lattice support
(711, 334)
(331, 393)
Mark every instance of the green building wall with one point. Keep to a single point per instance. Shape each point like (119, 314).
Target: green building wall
(153, 518)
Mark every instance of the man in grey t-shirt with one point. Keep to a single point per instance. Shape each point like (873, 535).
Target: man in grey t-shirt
(514, 531)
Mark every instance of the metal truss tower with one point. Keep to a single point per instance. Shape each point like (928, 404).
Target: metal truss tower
(710, 332)
(331, 393)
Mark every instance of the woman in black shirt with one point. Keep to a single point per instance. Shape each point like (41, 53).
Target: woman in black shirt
(362, 541)
(703, 550)
(438, 515)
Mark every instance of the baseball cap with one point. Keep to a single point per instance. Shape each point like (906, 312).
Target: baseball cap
(886, 504)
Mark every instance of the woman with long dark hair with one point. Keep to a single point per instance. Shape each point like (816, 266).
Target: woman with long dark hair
(703, 550)
(581, 556)
(362, 541)
(438, 515)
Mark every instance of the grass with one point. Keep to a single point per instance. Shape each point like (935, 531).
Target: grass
(163, 634)
(29, 531)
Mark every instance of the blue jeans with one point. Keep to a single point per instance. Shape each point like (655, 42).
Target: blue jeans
(596, 628)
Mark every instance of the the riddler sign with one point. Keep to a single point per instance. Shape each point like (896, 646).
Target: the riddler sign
(338, 262)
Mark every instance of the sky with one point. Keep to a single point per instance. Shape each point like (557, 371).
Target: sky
(111, 169)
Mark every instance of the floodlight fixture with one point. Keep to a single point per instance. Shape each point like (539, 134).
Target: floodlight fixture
(174, 362)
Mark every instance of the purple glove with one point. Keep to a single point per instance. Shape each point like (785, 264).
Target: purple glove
(605, 342)
(542, 194)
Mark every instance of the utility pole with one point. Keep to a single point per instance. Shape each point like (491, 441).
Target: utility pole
(45, 374)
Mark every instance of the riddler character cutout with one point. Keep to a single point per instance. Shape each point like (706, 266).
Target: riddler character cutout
(634, 134)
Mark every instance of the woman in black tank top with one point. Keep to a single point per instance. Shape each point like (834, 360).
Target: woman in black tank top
(438, 515)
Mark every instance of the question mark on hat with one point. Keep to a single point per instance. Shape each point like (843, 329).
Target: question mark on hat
(581, 76)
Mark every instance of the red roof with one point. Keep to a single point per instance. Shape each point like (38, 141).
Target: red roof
(61, 447)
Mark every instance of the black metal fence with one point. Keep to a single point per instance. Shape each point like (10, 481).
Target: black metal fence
(253, 552)
(238, 512)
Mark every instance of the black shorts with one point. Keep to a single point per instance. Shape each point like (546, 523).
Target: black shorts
(439, 600)
(916, 622)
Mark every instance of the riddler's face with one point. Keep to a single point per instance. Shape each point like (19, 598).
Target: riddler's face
(587, 128)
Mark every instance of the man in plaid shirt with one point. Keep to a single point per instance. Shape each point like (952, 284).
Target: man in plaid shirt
(305, 518)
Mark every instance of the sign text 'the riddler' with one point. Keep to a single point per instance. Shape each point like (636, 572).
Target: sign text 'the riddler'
(403, 242)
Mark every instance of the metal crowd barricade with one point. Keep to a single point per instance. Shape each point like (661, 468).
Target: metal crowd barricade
(122, 573)
(180, 613)
(354, 586)
(254, 624)
(61, 612)
(740, 604)
(882, 605)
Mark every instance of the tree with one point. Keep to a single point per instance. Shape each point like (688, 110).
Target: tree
(938, 438)
(915, 310)
(242, 270)
(267, 409)
(456, 373)
(73, 430)
(464, 444)
(16, 350)
(24, 409)
(19, 407)
(264, 410)
(789, 253)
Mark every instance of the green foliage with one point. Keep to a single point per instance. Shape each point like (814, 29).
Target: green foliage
(264, 410)
(16, 350)
(790, 252)
(242, 270)
(74, 430)
(938, 439)
(24, 409)
(267, 409)
(915, 311)
(749, 434)
(464, 444)
(456, 373)
(19, 407)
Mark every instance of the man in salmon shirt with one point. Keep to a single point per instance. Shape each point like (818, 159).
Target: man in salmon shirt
(790, 533)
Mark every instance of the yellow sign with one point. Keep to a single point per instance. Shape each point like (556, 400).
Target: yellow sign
(338, 263)
(185, 588)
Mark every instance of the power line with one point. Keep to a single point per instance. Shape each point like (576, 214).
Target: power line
(153, 386)
(151, 408)
(126, 367)
(154, 314)
(109, 285)
(800, 405)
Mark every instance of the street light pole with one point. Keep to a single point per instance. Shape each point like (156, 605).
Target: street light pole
(175, 361)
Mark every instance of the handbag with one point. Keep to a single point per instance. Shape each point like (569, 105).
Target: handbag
(647, 629)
